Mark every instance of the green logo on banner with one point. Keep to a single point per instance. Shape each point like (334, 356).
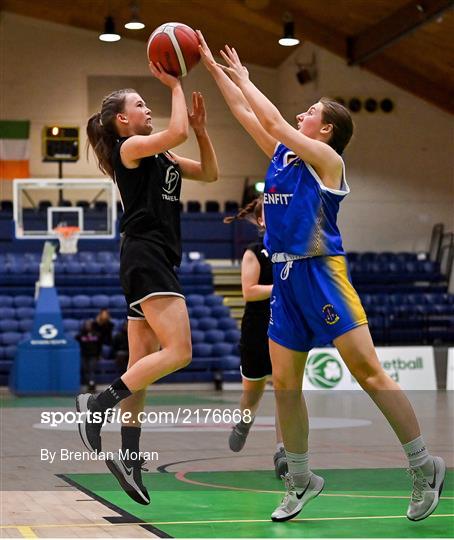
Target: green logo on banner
(323, 370)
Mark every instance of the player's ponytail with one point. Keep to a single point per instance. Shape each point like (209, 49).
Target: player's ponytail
(102, 131)
(252, 212)
(339, 117)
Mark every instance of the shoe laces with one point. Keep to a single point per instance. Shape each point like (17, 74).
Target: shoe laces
(419, 484)
(289, 486)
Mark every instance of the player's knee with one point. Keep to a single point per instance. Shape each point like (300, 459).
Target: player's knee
(183, 355)
(372, 380)
(282, 381)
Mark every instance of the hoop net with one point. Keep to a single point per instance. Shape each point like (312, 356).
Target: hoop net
(68, 237)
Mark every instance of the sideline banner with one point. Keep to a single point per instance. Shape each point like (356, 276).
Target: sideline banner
(412, 367)
(450, 370)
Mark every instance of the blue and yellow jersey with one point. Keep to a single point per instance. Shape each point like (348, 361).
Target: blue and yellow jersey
(300, 211)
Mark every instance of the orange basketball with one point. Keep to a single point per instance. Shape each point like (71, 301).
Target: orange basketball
(175, 46)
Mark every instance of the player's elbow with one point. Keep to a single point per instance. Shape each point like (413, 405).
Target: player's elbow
(179, 136)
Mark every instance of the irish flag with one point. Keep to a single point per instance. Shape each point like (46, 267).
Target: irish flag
(14, 149)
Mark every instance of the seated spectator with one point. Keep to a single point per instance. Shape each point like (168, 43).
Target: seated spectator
(121, 348)
(90, 352)
(104, 326)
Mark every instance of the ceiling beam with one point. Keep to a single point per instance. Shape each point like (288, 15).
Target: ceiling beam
(378, 37)
(404, 77)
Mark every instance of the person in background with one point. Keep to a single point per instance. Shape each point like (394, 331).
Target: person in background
(257, 285)
(104, 326)
(90, 352)
(120, 348)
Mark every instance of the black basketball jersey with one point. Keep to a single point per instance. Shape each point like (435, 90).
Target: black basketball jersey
(150, 195)
(265, 278)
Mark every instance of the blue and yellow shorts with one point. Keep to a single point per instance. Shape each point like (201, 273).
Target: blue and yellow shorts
(313, 302)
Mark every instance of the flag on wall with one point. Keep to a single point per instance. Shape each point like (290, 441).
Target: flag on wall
(14, 149)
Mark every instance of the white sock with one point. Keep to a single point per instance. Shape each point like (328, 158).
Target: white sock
(279, 446)
(418, 456)
(298, 467)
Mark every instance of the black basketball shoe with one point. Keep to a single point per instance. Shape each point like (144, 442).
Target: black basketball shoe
(89, 431)
(129, 475)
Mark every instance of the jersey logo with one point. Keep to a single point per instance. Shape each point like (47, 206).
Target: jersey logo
(331, 317)
(171, 180)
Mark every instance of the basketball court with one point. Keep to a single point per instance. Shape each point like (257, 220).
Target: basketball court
(200, 489)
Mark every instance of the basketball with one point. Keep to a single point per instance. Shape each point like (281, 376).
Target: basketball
(175, 46)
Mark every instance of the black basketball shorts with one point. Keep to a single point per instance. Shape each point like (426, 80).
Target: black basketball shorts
(145, 271)
(254, 350)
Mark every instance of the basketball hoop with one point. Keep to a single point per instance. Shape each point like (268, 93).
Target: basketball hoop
(68, 237)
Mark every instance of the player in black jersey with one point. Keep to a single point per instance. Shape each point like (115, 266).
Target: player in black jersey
(257, 284)
(148, 177)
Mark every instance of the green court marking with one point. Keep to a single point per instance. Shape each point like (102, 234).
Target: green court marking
(185, 510)
(153, 400)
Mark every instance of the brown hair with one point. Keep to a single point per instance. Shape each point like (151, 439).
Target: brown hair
(336, 114)
(101, 129)
(252, 212)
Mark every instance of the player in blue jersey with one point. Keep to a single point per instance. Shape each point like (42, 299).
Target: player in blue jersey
(313, 301)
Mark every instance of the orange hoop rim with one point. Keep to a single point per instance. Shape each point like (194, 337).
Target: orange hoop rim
(67, 231)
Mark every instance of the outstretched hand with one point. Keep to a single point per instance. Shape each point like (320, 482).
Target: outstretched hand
(238, 73)
(205, 53)
(166, 79)
(198, 116)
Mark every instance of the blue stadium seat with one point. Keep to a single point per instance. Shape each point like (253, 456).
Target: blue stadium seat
(227, 323)
(10, 338)
(7, 312)
(72, 325)
(222, 349)
(117, 301)
(214, 336)
(9, 325)
(232, 336)
(199, 312)
(81, 301)
(25, 313)
(202, 268)
(194, 300)
(197, 336)
(230, 363)
(106, 256)
(208, 323)
(94, 268)
(213, 300)
(86, 256)
(74, 267)
(25, 325)
(65, 301)
(100, 301)
(23, 301)
(202, 350)
(6, 300)
(10, 351)
(219, 312)
(194, 323)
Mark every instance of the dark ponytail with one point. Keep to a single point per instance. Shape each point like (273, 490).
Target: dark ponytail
(252, 212)
(102, 131)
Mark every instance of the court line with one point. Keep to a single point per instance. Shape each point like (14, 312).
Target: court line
(26, 532)
(208, 522)
(125, 515)
(182, 477)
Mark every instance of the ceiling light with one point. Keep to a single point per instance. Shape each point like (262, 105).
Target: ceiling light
(134, 22)
(109, 33)
(288, 39)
